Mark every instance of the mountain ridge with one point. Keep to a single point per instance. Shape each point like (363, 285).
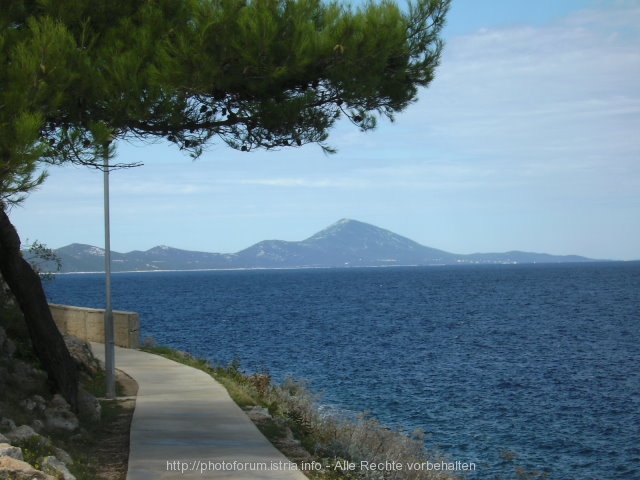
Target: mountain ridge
(346, 243)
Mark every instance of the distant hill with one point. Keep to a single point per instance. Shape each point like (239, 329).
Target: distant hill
(78, 257)
(346, 243)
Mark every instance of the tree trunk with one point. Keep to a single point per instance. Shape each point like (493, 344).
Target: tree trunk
(46, 339)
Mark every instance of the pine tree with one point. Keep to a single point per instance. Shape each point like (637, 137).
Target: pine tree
(78, 75)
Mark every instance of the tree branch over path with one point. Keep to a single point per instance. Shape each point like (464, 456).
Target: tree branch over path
(79, 75)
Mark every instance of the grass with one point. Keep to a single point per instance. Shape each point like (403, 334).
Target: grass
(96, 385)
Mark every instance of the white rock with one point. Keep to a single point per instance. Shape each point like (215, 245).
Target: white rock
(89, 405)
(55, 467)
(59, 415)
(57, 419)
(7, 450)
(21, 434)
(58, 401)
(19, 470)
(258, 411)
(35, 403)
(63, 456)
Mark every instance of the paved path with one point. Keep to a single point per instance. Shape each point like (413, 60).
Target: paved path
(186, 426)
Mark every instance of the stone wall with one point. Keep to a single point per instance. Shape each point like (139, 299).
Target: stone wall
(88, 324)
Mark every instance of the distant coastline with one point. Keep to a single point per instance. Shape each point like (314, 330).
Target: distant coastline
(256, 269)
(345, 244)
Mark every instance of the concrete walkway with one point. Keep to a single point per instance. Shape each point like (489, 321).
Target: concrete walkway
(185, 425)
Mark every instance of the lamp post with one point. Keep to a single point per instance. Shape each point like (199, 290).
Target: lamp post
(109, 348)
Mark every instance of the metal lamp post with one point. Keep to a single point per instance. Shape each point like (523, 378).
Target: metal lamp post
(109, 346)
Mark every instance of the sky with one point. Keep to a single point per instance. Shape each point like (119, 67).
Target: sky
(527, 139)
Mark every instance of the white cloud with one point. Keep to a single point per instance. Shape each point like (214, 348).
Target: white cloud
(535, 95)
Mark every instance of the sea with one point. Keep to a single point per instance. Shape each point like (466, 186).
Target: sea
(503, 366)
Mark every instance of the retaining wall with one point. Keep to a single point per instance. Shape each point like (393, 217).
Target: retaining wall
(88, 324)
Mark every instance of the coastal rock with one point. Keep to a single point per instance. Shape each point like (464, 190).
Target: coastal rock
(185, 355)
(19, 470)
(34, 403)
(7, 424)
(21, 434)
(88, 405)
(3, 439)
(59, 402)
(38, 426)
(258, 412)
(8, 450)
(61, 419)
(80, 351)
(58, 416)
(63, 456)
(55, 467)
(25, 433)
(27, 378)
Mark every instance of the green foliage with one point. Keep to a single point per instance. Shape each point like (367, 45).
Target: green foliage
(43, 260)
(18, 170)
(181, 357)
(33, 77)
(96, 384)
(259, 74)
(283, 72)
(34, 449)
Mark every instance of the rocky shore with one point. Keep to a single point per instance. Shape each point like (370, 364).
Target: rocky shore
(35, 425)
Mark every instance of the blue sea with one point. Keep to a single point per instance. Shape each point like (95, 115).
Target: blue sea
(537, 361)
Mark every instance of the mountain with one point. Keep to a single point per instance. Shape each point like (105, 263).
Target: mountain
(346, 243)
(86, 258)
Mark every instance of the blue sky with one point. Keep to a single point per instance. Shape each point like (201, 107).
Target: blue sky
(528, 139)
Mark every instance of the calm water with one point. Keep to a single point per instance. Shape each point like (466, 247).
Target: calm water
(541, 361)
